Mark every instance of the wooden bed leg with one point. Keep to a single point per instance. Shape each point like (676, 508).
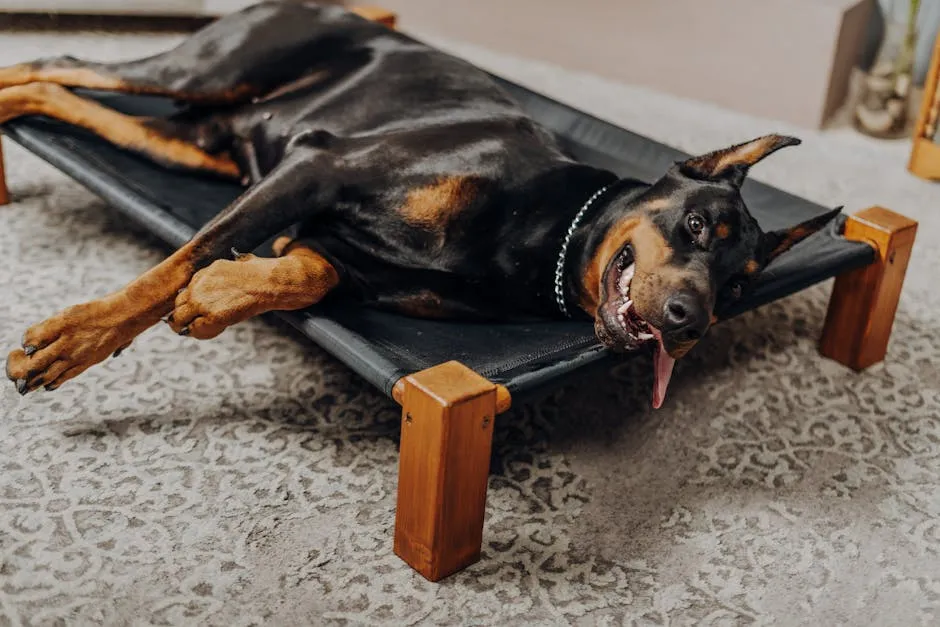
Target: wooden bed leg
(446, 437)
(4, 190)
(864, 301)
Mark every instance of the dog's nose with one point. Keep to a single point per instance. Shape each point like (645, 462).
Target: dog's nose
(685, 318)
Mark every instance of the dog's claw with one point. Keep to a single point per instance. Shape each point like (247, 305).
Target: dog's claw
(118, 352)
(236, 254)
(168, 319)
(29, 350)
(51, 387)
(184, 331)
(21, 386)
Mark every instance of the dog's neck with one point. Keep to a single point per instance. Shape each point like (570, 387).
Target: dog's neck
(582, 288)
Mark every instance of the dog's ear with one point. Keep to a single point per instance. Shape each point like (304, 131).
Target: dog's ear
(732, 164)
(775, 243)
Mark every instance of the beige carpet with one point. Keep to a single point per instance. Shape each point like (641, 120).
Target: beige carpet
(251, 479)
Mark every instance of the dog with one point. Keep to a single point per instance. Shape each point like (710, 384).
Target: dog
(399, 176)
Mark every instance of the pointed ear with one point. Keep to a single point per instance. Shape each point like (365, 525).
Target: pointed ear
(778, 242)
(732, 164)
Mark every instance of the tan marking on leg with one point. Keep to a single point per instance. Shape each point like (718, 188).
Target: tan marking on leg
(119, 129)
(83, 335)
(433, 207)
(27, 73)
(228, 292)
(281, 245)
(424, 304)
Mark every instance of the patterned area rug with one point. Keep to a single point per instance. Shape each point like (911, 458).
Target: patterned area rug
(251, 479)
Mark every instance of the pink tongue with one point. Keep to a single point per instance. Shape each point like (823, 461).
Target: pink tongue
(662, 370)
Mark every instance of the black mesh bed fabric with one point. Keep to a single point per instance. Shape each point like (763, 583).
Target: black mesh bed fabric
(383, 347)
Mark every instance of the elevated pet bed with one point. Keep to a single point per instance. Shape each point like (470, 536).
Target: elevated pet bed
(452, 379)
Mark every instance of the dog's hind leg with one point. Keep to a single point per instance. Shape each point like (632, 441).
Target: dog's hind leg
(80, 336)
(243, 55)
(163, 141)
(135, 77)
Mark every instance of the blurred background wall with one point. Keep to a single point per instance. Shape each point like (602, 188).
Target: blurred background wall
(928, 25)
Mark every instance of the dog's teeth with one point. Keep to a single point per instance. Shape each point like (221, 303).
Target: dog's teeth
(646, 336)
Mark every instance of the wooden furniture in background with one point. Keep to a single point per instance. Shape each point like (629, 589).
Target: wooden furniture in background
(925, 149)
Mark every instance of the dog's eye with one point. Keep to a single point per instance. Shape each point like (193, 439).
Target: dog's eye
(696, 224)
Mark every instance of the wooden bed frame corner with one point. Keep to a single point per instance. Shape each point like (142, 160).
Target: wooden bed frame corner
(864, 301)
(448, 413)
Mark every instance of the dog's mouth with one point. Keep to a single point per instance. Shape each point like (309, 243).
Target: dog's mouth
(620, 327)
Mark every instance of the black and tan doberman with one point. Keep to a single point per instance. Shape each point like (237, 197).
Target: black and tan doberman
(407, 179)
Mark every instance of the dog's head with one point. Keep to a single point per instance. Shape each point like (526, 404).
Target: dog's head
(681, 251)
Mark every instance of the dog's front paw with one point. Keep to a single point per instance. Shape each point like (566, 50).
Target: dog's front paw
(67, 344)
(218, 296)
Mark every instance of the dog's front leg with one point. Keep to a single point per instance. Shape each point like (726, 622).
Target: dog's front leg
(75, 339)
(228, 292)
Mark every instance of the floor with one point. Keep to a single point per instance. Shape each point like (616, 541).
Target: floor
(251, 479)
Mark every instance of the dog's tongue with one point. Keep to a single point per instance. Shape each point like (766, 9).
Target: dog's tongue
(662, 370)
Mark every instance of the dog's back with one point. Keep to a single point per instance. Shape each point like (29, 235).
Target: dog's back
(321, 69)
